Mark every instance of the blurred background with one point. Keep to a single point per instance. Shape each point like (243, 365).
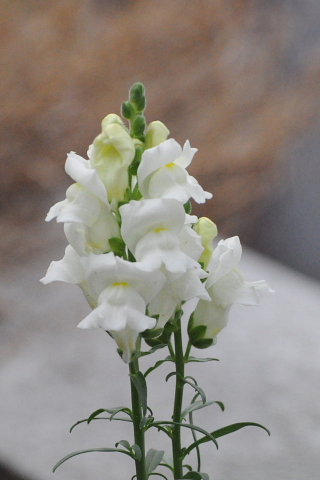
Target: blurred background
(238, 78)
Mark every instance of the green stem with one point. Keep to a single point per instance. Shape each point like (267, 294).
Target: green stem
(176, 417)
(188, 349)
(139, 440)
(170, 347)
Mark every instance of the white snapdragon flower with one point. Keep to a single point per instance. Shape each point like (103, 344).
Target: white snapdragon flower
(151, 230)
(178, 288)
(225, 286)
(162, 173)
(117, 290)
(123, 292)
(88, 222)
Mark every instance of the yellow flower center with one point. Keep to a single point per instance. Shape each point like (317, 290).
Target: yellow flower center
(171, 165)
(120, 284)
(161, 229)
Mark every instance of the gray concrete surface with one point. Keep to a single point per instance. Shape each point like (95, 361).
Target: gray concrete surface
(53, 374)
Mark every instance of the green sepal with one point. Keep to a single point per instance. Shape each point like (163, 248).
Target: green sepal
(138, 126)
(139, 382)
(196, 476)
(137, 96)
(203, 343)
(163, 339)
(117, 245)
(197, 333)
(152, 333)
(131, 257)
(153, 459)
(127, 110)
(136, 194)
(188, 207)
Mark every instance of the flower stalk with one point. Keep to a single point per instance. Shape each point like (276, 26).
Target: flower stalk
(137, 415)
(178, 398)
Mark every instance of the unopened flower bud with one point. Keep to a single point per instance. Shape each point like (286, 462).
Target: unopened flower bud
(138, 126)
(207, 231)
(157, 133)
(111, 154)
(111, 119)
(137, 96)
(128, 110)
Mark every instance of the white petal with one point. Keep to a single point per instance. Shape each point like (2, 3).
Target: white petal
(81, 171)
(232, 288)
(104, 270)
(156, 157)
(163, 247)
(141, 217)
(225, 258)
(190, 243)
(68, 269)
(80, 206)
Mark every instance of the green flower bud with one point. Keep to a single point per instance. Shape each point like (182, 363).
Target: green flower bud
(157, 133)
(128, 111)
(137, 96)
(138, 126)
(207, 231)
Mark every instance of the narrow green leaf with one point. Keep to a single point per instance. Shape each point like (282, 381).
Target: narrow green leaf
(112, 411)
(153, 458)
(140, 384)
(136, 451)
(125, 444)
(197, 389)
(188, 467)
(156, 346)
(187, 425)
(157, 364)
(198, 405)
(95, 414)
(100, 418)
(225, 431)
(159, 475)
(195, 359)
(171, 374)
(80, 452)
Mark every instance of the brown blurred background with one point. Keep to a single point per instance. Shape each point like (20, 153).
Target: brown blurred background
(222, 73)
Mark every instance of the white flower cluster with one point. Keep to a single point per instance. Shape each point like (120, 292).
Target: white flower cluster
(133, 249)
